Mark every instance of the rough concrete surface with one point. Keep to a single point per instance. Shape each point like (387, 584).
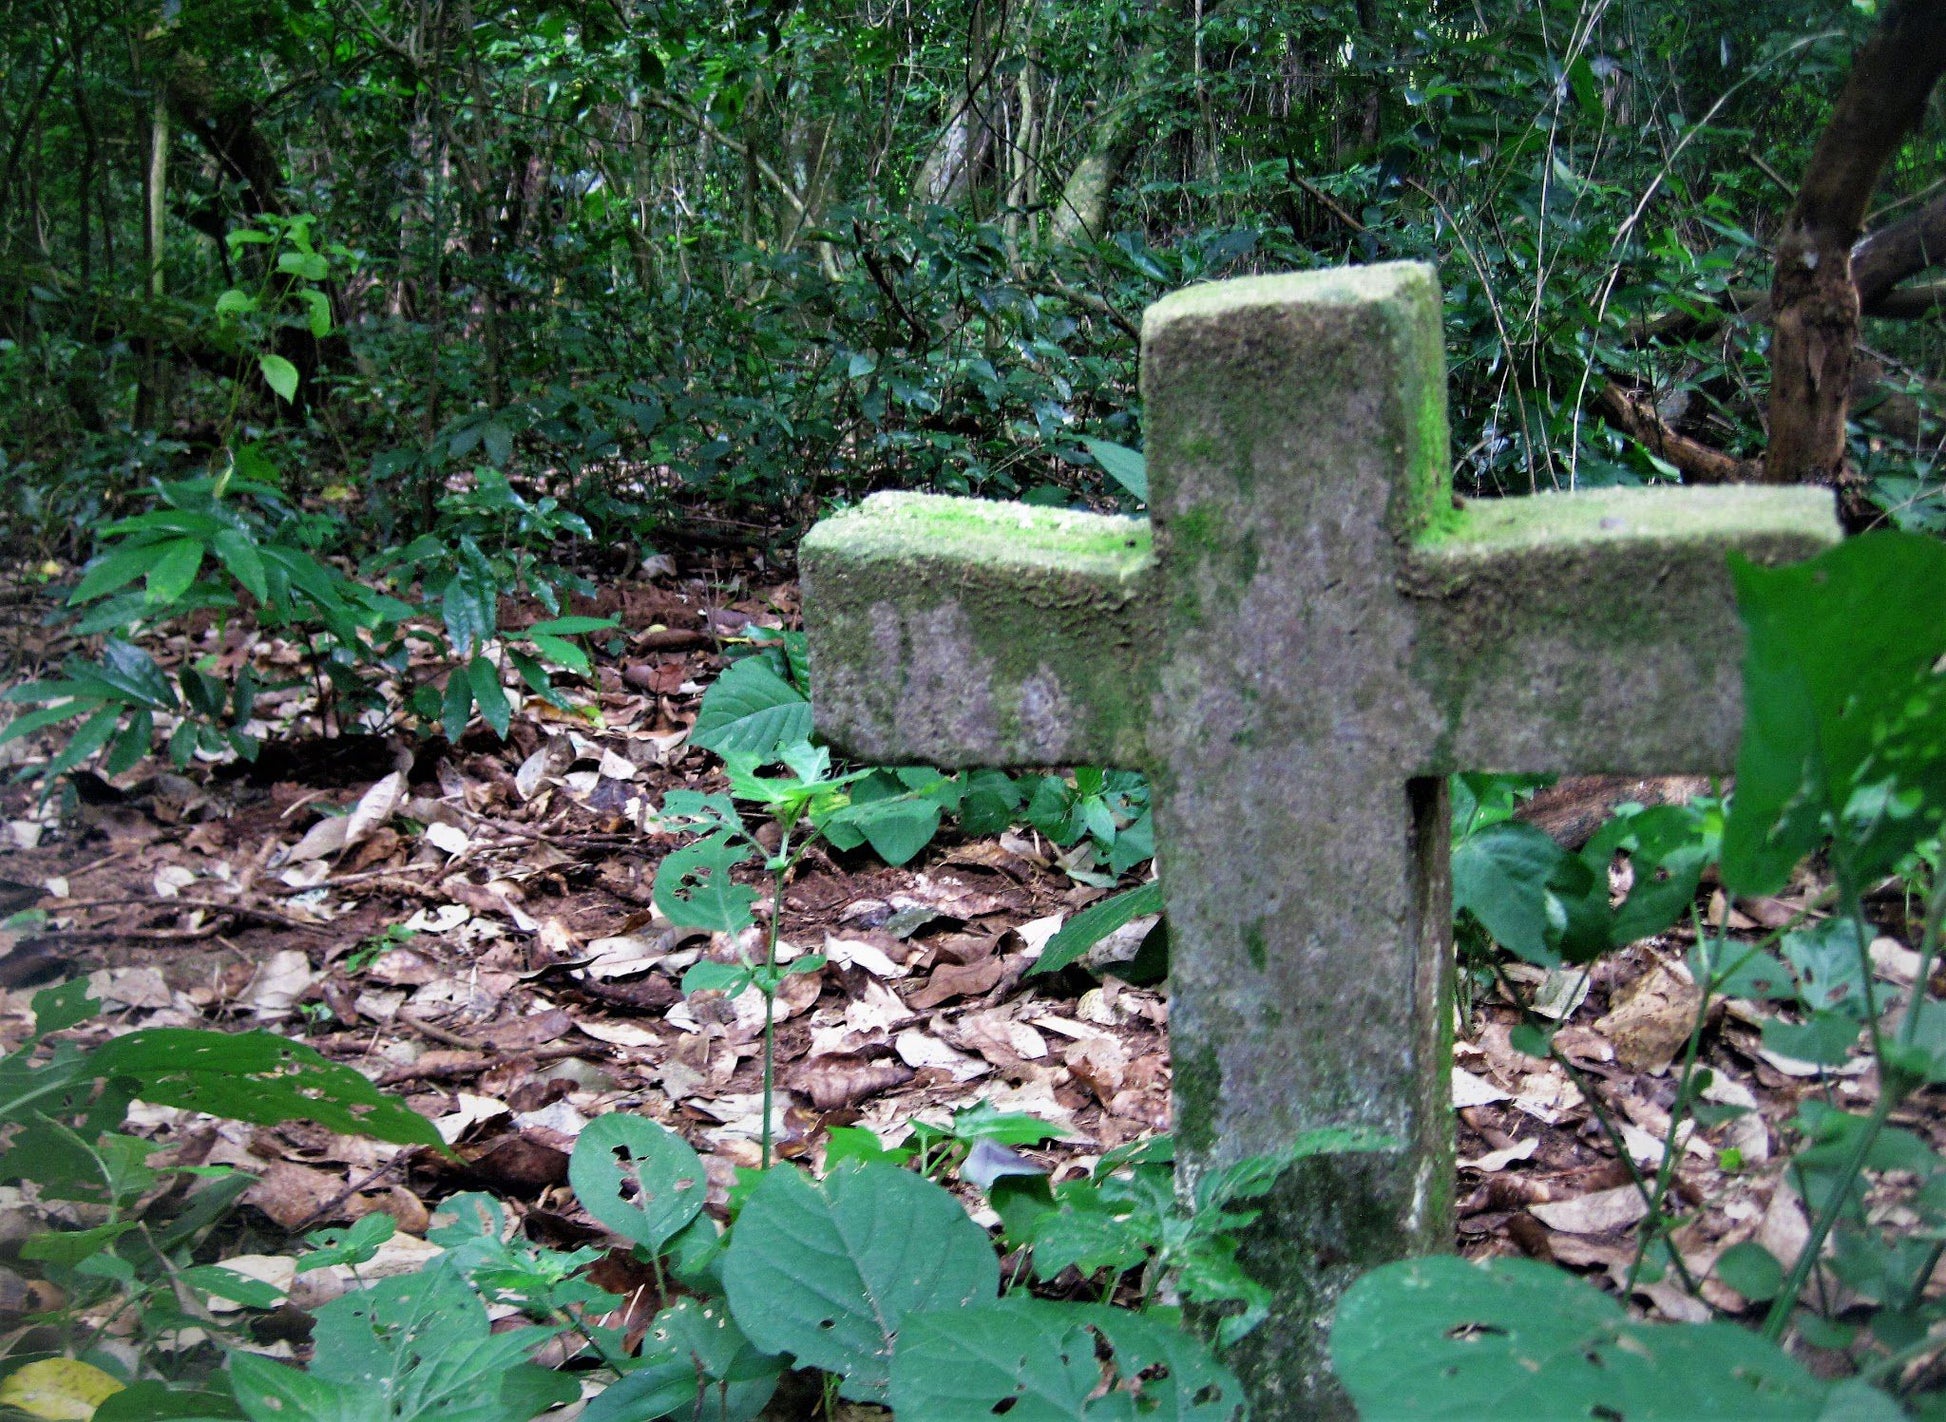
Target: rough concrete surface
(1317, 636)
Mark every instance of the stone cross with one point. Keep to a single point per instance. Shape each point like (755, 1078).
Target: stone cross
(1305, 638)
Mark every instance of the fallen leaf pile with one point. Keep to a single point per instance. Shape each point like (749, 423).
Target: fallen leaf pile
(471, 926)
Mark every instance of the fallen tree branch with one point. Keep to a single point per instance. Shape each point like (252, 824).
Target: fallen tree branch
(1088, 301)
(1636, 416)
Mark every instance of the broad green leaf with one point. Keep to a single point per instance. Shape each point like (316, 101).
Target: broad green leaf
(218, 1282)
(1844, 708)
(131, 673)
(173, 570)
(498, 440)
(116, 569)
(751, 708)
(47, 716)
(317, 310)
(1178, 1378)
(559, 650)
(61, 1007)
(716, 977)
(1027, 1358)
(1441, 1337)
(1127, 467)
(420, 1346)
(131, 744)
(1095, 923)
(989, 803)
(896, 829)
(638, 1178)
(240, 556)
(1826, 959)
(1086, 1235)
(695, 1363)
(827, 1271)
(1751, 1270)
(470, 604)
(352, 1245)
(260, 1078)
(1036, 1360)
(1825, 1038)
(484, 677)
(1535, 898)
(157, 1402)
(275, 1392)
(279, 374)
(91, 736)
(574, 626)
(456, 703)
(694, 888)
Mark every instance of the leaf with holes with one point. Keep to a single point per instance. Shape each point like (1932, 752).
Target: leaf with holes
(695, 1363)
(1445, 1338)
(1035, 1361)
(693, 885)
(636, 1177)
(828, 1270)
(257, 1077)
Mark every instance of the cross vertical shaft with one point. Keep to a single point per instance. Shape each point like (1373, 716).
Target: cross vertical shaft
(1316, 637)
(1295, 449)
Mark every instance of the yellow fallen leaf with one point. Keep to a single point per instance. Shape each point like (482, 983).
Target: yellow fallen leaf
(58, 1389)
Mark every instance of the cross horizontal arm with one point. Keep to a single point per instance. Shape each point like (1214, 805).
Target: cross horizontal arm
(1595, 632)
(957, 632)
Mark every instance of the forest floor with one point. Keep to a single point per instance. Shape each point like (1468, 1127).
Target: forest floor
(485, 946)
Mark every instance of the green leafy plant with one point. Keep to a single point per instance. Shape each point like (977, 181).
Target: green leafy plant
(416, 1345)
(1127, 1217)
(291, 293)
(875, 1276)
(220, 544)
(1843, 754)
(134, 1251)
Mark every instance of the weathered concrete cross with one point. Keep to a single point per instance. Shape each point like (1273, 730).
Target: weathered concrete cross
(1315, 639)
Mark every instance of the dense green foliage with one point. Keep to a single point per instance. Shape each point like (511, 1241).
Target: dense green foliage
(340, 321)
(1843, 750)
(641, 255)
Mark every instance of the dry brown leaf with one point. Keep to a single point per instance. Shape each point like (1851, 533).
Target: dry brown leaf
(1471, 1090)
(1496, 1160)
(1652, 1021)
(876, 1009)
(619, 1034)
(374, 807)
(1098, 1063)
(999, 1038)
(834, 1082)
(948, 982)
(291, 1194)
(1600, 1213)
(279, 983)
(917, 1049)
(858, 952)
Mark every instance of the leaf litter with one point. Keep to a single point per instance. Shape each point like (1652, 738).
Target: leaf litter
(471, 926)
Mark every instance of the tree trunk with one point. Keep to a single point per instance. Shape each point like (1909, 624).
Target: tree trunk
(1815, 334)
(1082, 211)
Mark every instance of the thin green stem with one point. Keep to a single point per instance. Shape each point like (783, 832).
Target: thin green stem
(1928, 951)
(1666, 1171)
(770, 993)
(1780, 1307)
(1892, 1362)
(1602, 1118)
